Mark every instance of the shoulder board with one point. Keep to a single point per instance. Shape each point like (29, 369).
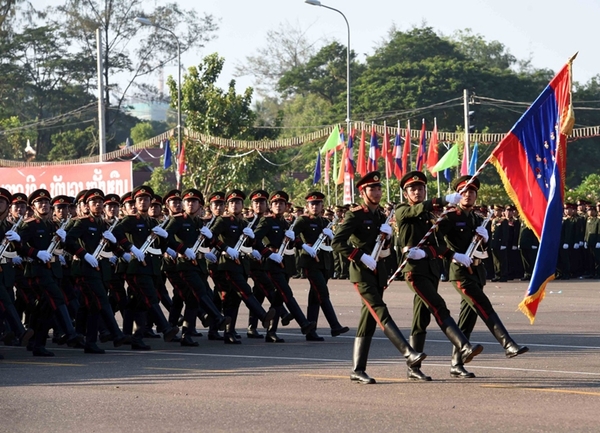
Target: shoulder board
(30, 220)
(455, 210)
(356, 208)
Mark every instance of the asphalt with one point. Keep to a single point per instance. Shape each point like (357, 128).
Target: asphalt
(301, 386)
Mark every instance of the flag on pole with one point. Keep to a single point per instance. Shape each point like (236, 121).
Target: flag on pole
(450, 159)
(432, 154)
(406, 151)
(168, 156)
(373, 151)
(350, 168)
(328, 166)
(473, 160)
(335, 165)
(317, 174)
(332, 141)
(342, 168)
(422, 148)
(448, 174)
(181, 160)
(388, 156)
(464, 166)
(531, 161)
(398, 155)
(362, 162)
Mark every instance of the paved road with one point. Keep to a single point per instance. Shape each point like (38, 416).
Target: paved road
(304, 387)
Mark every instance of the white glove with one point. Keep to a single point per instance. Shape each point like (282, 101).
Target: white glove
(91, 260)
(127, 257)
(44, 256)
(585, 245)
(416, 254)
(502, 247)
(256, 255)
(205, 231)
(453, 198)
(189, 254)
(276, 257)
(597, 244)
(61, 234)
(310, 250)
(12, 236)
(210, 257)
(109, 237)
(62, 260)
(482, 231)
(534, 247)
(327, 232)
(159, 231)
(580, 243)
(234, 254)
(171, 252)
(565, 246)
(368, 261)
(113, 260)
(290, 234)
(514, 247)
(576, 246)
(17, 260)
(462, 259)
(386, 229)
(248, 232)
(137, 253)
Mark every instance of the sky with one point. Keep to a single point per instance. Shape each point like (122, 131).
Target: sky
(547, 31)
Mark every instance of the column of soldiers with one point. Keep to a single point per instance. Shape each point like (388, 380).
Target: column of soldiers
(69, 264)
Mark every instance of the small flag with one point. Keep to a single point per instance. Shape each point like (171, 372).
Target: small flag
(373, 151)
(464, 167)
(168, 156)
(473, 160)
(332, 141)
(450, 159)
(317, 174)
(406, 151)
(362, 162)
(422, 149)
(398, 155)
(433, 154)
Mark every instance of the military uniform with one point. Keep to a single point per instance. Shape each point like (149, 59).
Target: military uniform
(528, 245)
(499, 244)
(316, 269)
(356, 237)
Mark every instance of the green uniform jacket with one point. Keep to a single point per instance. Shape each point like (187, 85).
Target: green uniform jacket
(308, 229)
(458, 228)
(592, 227)
(184, 231)
(527, 238)
(413, 222)
(134, 230)
(268, 237)
(356, 236)
(499, 233)
(226, 233)
(37, 234)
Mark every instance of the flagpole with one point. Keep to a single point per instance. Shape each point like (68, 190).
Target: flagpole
(437, 222)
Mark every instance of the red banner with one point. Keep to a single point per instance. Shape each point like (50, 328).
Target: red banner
(110, 177)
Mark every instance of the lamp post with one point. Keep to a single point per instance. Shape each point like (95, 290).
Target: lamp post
(348, 121)
(147, 22)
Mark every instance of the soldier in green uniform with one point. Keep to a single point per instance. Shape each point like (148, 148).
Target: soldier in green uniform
(499, 244)
(568, 241)
(316, 265)
(422, 272)
(270, 234)
(227, 231)
(355, 239)
(43, 272)
(592, 238)
(24, 297)
(528, 245)
(10, 238)
(83, 238)
(132, 232)
(190, 270)
(216, 202)
(460, 228)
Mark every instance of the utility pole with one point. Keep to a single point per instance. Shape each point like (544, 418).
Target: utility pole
(467, 126)
(101, 118)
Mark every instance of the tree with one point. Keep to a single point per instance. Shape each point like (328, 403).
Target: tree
(141, 132)
(492, 54)
(74, 144)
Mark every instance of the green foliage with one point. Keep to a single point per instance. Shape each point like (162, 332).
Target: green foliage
(141, 132)
(73, 144)
(12, 144)
(589, 190)
(161, 180)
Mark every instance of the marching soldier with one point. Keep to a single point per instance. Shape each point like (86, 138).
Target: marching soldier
(460, 228)
(316, 265)
(355, 240)
(217, 208)
(422, 272)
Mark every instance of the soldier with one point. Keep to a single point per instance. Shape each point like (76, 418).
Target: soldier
(131, 233)
(43, 270)
(499, 245)
(340, 264)
(422, 273)
(528, 245)
(512, 251)
(270, 235)
(461, 228)
(9, 238)
(592, 240)
(355, 239)
(217, 208)
(569, 242)
(23, 303)
(316, 265)
(184, 230)
(227, 231)
(83, 238)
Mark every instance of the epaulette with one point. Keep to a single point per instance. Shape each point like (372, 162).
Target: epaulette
(356, 208)
(32, 219)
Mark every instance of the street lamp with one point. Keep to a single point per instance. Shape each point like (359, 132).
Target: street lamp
(147, 22)
(348, 121)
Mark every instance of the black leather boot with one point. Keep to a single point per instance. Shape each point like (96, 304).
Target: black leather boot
(359, 361)
(62, 316)
(271, 336)
(457, 368)
(392, 332)
(414, 373)
(511, 349)
(334, 324)
(229, 334)
(305, 325)
(168, 331)
(139, 317)
(458, 339)
(312, 315)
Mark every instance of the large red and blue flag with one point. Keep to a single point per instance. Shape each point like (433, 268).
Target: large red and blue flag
(373, 151)
(531, 161)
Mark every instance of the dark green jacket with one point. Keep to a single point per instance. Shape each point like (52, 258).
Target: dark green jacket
(37, 234)
(308, 229)
(184, 231)
(134, 230)
(226, 233)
